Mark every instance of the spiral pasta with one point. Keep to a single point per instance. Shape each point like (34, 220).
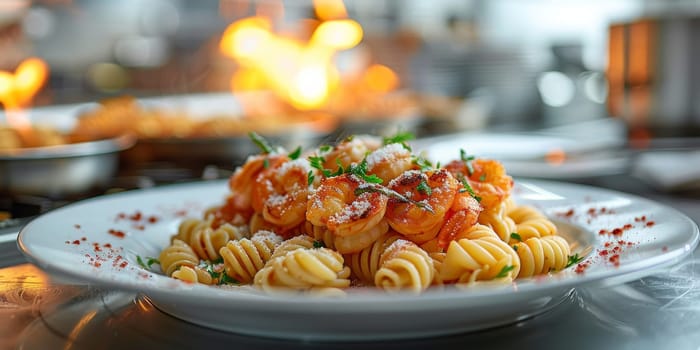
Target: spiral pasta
(365, 263)
(404, 266)
(536, 227)
(304, 269)
(502, 224)
(193, 275)
(486, 258)
(245, 257)
(542, 255)
(294, 243)
(177, 254)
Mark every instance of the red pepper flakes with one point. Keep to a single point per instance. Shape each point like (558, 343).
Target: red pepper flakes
(581, 267)
(569, 213)
(181, 213)
(650, 224)
(83, 238)
(107, 245)
(603, 253)
(615, 259)
(76, 242)
(77, 226)
(664, 249)
(123, 264)
(116, 233)
(153, 219)
(136, 216)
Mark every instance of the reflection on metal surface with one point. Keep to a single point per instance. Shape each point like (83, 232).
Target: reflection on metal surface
(25, 291)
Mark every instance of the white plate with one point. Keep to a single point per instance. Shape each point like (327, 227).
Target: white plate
(72, 240)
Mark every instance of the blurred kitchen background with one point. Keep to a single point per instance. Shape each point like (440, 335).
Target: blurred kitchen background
(540, 62)
(610, 76)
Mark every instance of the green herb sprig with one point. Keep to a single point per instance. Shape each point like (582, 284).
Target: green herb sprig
(504, 271)
(376, 188)
(467, 187)
(260, 141)
(149, 261)
(573, 260)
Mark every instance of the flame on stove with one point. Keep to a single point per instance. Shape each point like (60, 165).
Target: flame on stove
(19, 88)
(300, 71)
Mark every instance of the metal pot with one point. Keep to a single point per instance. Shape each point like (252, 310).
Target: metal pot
(61, 171)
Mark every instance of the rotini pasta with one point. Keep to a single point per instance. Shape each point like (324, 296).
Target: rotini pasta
(244, 258)
(365, 214)
(304, 269)
(177, 254)
(193, 275)
(486, 258)
(365, 263)
(542, 255)
(404, 266)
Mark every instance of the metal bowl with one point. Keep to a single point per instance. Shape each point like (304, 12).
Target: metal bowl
(63, 170)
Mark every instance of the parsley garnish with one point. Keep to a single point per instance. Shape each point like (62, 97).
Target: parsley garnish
(573, 260)
(504, 271)
(319, 244)
(295, 154)
(515, 247)
(423, 163)
(467, 161)
(482, 178)
(424, 188)
(399, 137)
(310, 177)
(360, 170)
(516, 236)
(376, 188)
(259, 141)
(266, 163)
(467, 188)
(316, 162)
(148, 263)
(226, 279)
(325, 148)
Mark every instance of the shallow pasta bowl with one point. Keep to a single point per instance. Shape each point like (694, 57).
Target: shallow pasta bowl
(101, 240)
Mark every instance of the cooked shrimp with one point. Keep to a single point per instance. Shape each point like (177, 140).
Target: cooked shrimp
(437, 188)
(463, 214)
(335, 205)
(362, 240)
(390, 161)
(283, 192)
(241, 182)
(228, 214)
(487, 177)
(351, 150)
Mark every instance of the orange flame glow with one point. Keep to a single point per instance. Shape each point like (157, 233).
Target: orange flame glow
(330, 9)
(17, 90)
(301, 72)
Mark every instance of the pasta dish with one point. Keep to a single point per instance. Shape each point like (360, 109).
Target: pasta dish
(367, 211)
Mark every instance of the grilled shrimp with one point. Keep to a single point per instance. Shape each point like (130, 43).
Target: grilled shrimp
(282, 193)
(463, 214)
(389, 161)
(242, 180)
(487, 177)
(437, 188)
(351, 150)
(335, 205)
